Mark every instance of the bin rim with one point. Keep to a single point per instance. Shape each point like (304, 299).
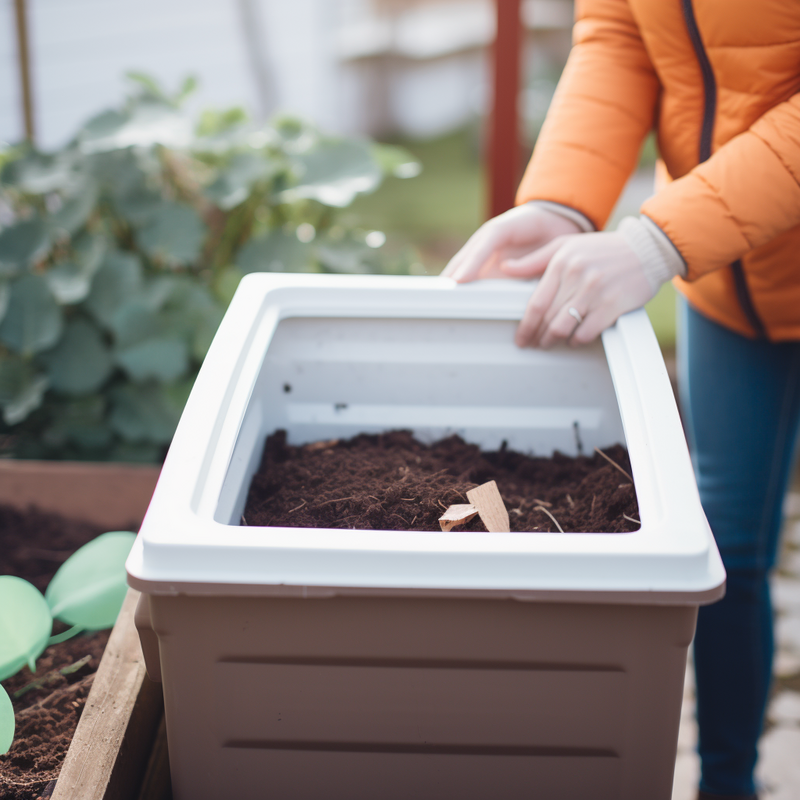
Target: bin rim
(182, 549)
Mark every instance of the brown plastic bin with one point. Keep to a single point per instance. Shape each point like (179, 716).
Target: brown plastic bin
(302, 664)
(354, 697)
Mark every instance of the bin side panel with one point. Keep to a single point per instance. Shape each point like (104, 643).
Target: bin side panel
(363, 707)
(355, 686)
(423, 776)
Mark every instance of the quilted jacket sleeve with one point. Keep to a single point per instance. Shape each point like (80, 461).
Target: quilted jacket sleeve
(742, 197)
(602, 110)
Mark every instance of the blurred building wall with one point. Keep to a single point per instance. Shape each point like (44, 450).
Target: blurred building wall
(416, 67)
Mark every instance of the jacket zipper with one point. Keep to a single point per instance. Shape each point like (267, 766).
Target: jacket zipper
(706, 136)
(709, 82)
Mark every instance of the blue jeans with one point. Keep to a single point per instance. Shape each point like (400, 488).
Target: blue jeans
(741, 405)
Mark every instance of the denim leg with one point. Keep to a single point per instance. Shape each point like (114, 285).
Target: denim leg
(741, 406)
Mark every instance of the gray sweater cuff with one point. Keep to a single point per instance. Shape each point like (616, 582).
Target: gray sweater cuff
(584, 223)
(659, 258)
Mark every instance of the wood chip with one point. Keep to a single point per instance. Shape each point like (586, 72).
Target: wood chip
(490, 505)
(456, 515)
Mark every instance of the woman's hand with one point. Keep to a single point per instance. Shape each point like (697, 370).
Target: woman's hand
(588, 282)
(515, 233)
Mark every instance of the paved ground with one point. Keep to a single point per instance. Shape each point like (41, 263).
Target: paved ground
(779, 766)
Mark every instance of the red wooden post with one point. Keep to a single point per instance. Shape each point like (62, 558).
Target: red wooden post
(503, 140)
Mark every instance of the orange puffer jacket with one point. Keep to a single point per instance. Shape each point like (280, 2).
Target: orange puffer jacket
(719, 80)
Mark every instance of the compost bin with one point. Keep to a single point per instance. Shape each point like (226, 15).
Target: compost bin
(308, 663)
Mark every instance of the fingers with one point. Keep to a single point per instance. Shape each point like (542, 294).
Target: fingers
(540, 302)
(597, 275)
(532, 264)
(479, 251)
(514, 233)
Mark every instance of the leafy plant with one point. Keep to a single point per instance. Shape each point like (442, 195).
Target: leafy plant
(120, 252)
(87, 593)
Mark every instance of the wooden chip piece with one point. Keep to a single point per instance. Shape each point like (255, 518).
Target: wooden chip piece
(486, 498)
(457, 515)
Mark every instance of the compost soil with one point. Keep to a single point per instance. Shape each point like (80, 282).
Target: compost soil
(33, 545)
(391, 481)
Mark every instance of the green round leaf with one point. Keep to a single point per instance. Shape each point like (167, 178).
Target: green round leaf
(76, 209)
(22, 244)
(21, 388)
(25, 625)
(276, 252)
(119, 277)
(38, 173)
(33, 321)
(174, 235)
(334, 172)
(90, 586)
(147, 123)
(81, 362)
(144, 413)
(233, 185)
(82, 422)
(7, 722)
(134, 321)
(69, 282)
(162, 358)
(139, 205)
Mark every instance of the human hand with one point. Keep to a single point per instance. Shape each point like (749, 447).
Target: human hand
(588, 282)
(513, 233)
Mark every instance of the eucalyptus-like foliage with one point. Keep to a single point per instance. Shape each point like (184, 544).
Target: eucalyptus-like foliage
(120, 252)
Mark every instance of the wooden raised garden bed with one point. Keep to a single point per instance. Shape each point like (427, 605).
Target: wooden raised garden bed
(118, 750)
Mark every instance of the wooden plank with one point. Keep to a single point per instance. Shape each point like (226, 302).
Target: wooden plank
(110, 495)
(113, 740)
(157, 784)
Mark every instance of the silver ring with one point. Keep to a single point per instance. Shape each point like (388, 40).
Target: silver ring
(575, 314)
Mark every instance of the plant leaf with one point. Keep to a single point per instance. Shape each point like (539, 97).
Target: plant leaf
(21, 388)
(81, 421)
(162, 358)
(22, 244)
(174, 235)
(119, 277)
(7, 723)
(334, 172)
(25, 625)
(144, 413)
(234, 184)
(76, 209)
(38, 173)
(134, 321)
(275, 252)
(90, 586)
(80, 362)
(68, 282)
(33, 321)
(149, 122)
(139, 205)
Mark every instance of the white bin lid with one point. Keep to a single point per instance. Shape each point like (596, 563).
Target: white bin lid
(181, 548)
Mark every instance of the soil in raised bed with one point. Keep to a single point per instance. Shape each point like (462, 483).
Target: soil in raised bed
(33, 545)
(391, 481)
